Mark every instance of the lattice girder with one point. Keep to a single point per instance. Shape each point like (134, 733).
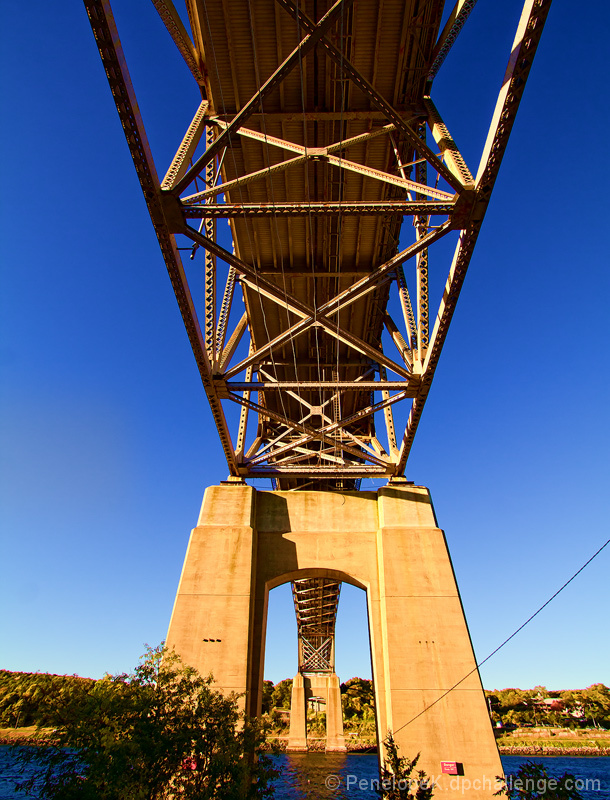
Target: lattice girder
(310, 139)
(315, 604)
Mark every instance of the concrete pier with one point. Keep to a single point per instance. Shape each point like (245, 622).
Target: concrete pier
(326, 687)
(387, 542)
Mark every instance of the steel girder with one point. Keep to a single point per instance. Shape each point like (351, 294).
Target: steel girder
(325, 354)
(315, 605)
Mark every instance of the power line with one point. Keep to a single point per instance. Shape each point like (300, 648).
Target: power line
(506, 641)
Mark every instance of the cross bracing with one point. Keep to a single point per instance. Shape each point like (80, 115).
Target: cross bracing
(315, 604)
(314, 136)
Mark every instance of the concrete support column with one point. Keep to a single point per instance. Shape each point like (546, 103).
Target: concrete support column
(297, 740)
(421, 646)
(212, 622)
(335, 740)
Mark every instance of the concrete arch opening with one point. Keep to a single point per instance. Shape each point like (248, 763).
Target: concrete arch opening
(316, 712)
(307, 616)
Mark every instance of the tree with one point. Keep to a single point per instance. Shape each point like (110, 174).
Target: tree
(160, 732)
(596, 704)
(399, 781)
(357, 694)
(24, 695)
(532, 782)
(282, 694)
(267, 703)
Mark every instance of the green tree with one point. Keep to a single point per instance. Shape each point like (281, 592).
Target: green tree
(596, 705)
(282, 694)
(398, 778)
(24, 695)
(532, 782)
(160, 732)
(267, 703)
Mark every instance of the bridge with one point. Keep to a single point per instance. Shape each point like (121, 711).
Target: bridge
(311, 188)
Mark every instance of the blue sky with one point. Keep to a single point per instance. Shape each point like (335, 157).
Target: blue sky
(107, 441)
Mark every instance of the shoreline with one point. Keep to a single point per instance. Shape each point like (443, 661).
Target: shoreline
(554, 752)
(31, 737)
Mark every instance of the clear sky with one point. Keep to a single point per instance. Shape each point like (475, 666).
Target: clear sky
(107, 440)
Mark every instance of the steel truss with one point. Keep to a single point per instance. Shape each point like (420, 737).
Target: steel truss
(315, 605)
(317, 429)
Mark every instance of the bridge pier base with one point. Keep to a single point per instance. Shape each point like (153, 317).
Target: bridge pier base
(304, 687)
(385, 542)
(297, 739)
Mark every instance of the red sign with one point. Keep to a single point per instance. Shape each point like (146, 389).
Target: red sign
(449, 767)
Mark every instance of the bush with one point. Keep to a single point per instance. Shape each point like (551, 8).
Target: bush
(160, 732)
(399, 781)
(532, 782)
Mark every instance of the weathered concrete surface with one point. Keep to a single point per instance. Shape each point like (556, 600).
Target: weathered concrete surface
(385, 542)
(297, 738)
(335, 740)
(304, 687)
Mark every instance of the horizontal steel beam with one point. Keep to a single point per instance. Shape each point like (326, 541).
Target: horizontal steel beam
(334, 386)
(408, 113)
(318, 471)
(232, 210)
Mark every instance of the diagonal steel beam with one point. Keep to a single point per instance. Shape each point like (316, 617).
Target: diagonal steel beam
(356, 343)
(309, 315)
(317, 32)
(309, 434)
(292, 147)
(113, 60)
(388, 267)
(449, 34)
(264, 349)
(285, 299)
(221, 188)
(398, 339)
(233, 343)
(186, 48)
(187, 148)
(373, 95)
(524, 48)
(323, 432)
(407, 308)
(325, 153)
(452, 156)
(296, 306)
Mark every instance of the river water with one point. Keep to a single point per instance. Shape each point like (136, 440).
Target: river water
(353, 776)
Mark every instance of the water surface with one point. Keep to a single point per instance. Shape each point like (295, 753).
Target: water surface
(352, 776)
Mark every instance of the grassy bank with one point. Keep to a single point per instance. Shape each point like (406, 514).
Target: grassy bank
(26, 735)
(555, 742)
(544, 749)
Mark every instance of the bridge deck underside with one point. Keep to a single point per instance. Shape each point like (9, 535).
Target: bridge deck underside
(316, 257)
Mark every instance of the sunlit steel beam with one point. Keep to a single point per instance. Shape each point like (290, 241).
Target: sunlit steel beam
(309, 42)
(113, 60)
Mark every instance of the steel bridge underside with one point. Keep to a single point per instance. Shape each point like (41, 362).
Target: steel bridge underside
(316, 136)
